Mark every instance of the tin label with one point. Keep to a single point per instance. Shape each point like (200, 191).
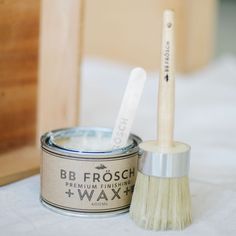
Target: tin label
(89, 185)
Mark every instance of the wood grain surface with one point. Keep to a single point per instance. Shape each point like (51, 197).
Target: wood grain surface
(18, 164)
(59, 64)
(52, 99)
(19, 21)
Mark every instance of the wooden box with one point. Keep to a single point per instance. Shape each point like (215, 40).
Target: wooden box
(30, 104)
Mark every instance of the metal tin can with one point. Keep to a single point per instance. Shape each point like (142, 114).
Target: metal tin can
(81, 176)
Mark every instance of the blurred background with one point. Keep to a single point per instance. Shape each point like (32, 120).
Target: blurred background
(226, 28)
(125, 32)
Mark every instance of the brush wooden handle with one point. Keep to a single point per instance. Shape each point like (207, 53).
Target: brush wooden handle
(166, 83)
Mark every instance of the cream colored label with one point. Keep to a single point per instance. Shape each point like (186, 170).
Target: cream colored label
(88, 185)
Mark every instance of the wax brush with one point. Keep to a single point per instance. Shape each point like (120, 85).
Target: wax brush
(161, 198)
(128, 108)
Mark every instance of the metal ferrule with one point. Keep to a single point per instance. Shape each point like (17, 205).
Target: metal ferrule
(165, 165)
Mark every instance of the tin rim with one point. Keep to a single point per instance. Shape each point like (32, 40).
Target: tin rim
(79, 132)
(50, 146)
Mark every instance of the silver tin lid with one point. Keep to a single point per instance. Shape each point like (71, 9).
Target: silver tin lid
(162, 163)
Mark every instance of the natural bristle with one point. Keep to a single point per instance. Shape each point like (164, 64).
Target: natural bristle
(161, 203)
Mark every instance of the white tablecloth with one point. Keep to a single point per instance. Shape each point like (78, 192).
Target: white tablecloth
(205, 118)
